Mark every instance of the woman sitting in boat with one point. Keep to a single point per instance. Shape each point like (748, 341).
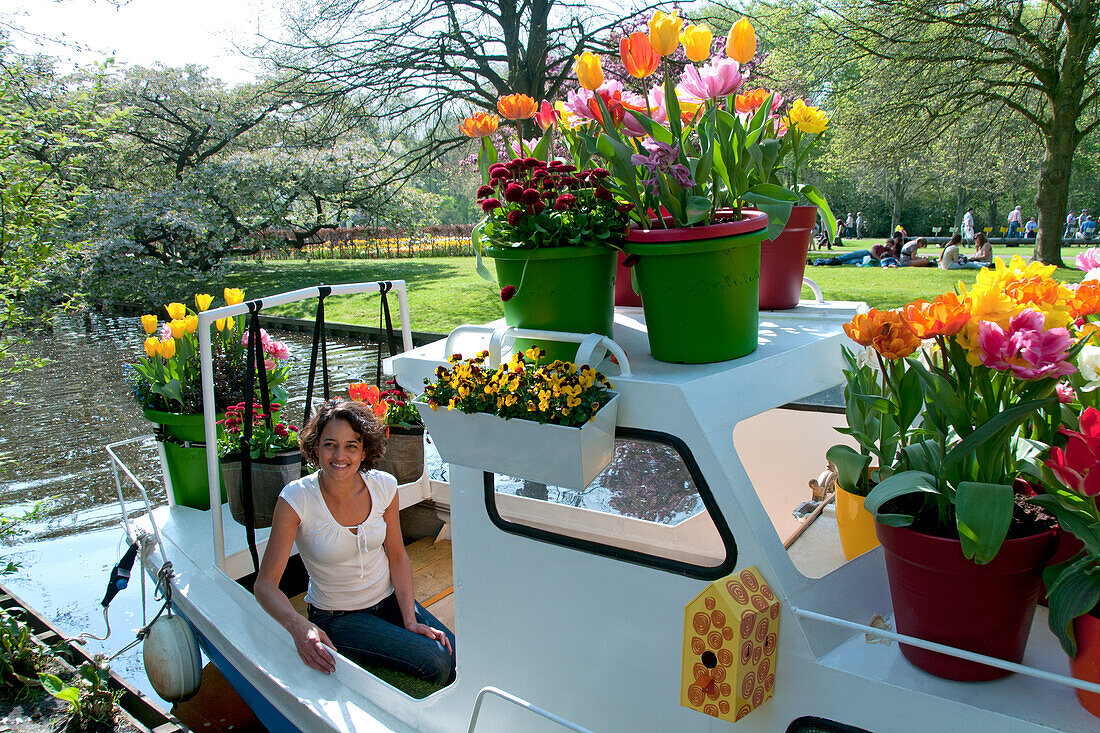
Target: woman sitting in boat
(345, 522)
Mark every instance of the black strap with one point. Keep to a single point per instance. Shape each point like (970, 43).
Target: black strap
(318, 342)
(254, 364)
(384, 287)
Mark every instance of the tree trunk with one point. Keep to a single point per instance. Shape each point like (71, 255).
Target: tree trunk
(1054, 193)
(897, 200)
(960, 208)
(994, 220)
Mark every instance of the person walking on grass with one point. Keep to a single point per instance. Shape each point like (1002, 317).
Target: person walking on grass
(850, 226)
(860, 225)
(968, 225)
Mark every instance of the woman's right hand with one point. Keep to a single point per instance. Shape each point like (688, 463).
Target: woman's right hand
(313, 647)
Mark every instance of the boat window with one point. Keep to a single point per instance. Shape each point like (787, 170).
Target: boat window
(649, 506)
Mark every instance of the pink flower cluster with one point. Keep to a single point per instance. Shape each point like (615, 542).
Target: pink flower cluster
(275, 350)
(1026, 349)
(1089, 259)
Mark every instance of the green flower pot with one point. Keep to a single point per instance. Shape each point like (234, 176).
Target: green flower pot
(563, 289)
(700, 288)
(185, 462)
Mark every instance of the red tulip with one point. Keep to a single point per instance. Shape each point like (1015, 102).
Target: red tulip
(1078, 466)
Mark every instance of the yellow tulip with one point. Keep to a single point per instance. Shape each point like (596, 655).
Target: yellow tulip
(664, 32)
(220, 324)
(234, 296)
(149, 323)
(203, 301)
(589, 71)
(176, 311)
(741, 44)
(151, 345)
(224, 323)
(167, 348)
(696, 40)
(178, 328)
(191, 323)
(806, 118)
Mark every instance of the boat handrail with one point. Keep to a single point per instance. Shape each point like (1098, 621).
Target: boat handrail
(206, 322)
(116, 464)
(949, 650)
(815, 289)
(588, 353)
(508, 697)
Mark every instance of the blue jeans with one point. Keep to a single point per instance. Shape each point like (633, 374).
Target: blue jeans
(1012, 227)
(377, 636)
(847, 258)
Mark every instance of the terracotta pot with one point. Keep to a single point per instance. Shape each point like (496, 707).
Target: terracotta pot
(783, 261)
(940, 596)
(1086, 665)
(855, 524)
(404, 458)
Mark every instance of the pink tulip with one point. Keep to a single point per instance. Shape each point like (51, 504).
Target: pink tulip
(576, 103)
(1026, 349)
(1065, 392)
(1089, 259)
(655, 111)
(546, 116)
(719, 78)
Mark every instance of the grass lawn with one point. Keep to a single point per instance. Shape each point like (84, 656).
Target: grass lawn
(446, 292)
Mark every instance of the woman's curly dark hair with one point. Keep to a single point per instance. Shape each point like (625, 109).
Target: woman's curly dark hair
(362, 420)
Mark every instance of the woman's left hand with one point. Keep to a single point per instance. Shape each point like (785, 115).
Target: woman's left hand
(428, 631)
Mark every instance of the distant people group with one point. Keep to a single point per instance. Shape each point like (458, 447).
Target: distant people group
(896, 252)
(1080, 227)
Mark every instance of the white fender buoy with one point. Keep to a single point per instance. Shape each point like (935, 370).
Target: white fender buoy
(172, 661)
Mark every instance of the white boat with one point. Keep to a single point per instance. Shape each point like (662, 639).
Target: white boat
(574, 617)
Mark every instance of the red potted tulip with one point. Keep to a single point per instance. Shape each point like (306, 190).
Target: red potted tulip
(1073, 586)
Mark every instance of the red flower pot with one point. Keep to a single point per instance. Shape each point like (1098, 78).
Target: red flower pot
(783, 261)
(940, 596)
(1086, 665)
(624, 290)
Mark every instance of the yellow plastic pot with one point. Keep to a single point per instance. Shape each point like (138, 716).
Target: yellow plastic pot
(856, 524)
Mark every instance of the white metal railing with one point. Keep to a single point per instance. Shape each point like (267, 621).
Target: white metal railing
(591, 350)
(519, 701)
(206, 322)
(949, 650)
(116, 464)
(818, 297)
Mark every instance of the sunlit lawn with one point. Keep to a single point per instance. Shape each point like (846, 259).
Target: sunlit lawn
(446, 292)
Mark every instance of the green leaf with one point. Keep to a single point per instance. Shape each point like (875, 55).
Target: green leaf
(814, 197)
(543, 146)
(851, 467)
(982, 515)
(52, 684)
(993, 428)
(900, 484)
(479, 264)
(698, 207)
(1073, 589)
(654, 130)
(773, 200)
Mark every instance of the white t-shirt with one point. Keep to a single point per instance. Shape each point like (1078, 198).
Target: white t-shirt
(949, 257)
(347, 571)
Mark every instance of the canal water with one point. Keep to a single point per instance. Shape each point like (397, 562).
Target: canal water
(54, 424)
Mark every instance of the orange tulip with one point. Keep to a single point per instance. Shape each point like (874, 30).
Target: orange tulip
(741, 44)
(749, 102)
(944, 316)
(364, 392)
(884, 331)
(479, 124)
(516, 107)
(589, 71)
(638, 55)
(1086, 299)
